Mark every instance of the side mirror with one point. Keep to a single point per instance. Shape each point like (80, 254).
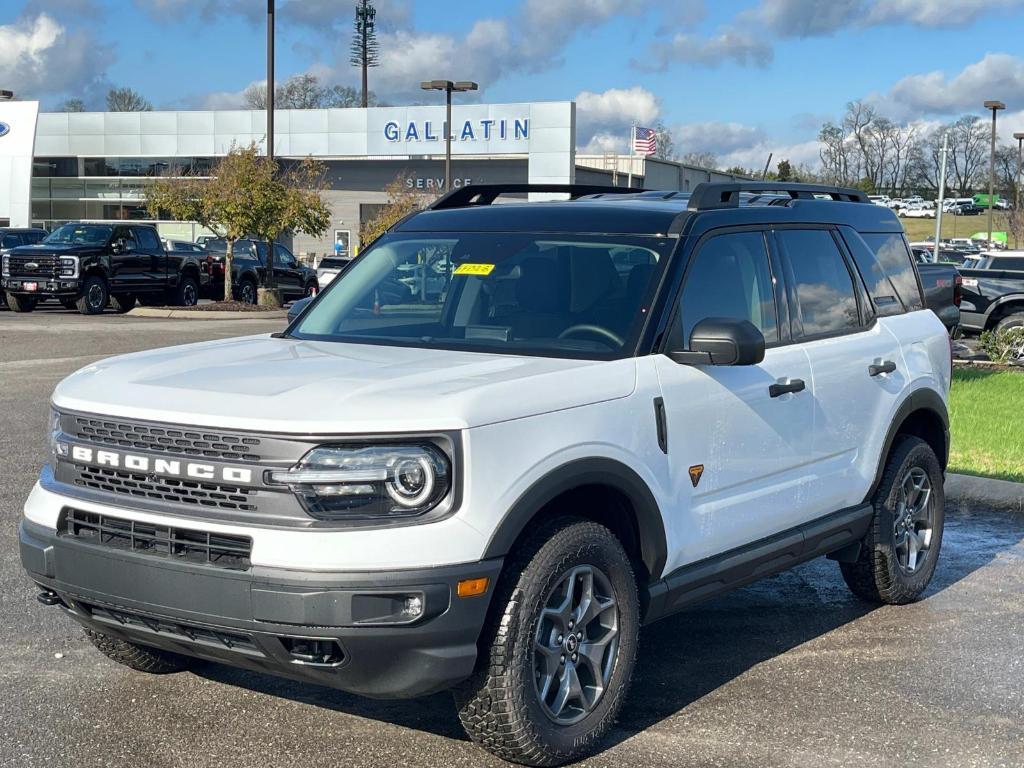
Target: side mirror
(723, 341)
(117, 247)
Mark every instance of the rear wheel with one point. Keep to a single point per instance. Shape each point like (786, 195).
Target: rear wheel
(247, 292)
(94, 296)
(187, 293)
(21, 303)
(557, 654)
(122, 302)
(139, 657)
(1014, 320)
(899, 554)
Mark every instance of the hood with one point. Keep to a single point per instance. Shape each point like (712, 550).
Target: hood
(59, 249)
(269, 384)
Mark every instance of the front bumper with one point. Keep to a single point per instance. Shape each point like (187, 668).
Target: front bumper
(252, 619)
(45, 286)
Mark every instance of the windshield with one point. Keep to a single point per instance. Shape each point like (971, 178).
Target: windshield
(513, 293)
(80, 234)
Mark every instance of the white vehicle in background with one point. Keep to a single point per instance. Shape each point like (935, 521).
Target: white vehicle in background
(917, 211)
(882, 200)
(329, 268)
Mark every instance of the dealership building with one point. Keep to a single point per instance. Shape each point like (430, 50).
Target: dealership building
(68, 166)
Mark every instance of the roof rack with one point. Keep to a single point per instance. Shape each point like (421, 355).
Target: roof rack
(485, 194)
(713, 196)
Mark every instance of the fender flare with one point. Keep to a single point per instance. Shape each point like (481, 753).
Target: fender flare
(1002, 301)
(918, 400)
(591, 471)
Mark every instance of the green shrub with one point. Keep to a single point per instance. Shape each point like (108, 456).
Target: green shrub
(1003, 346)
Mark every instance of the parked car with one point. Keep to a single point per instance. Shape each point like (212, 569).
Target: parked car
(249, 259)
(994, 292)
(14, 237)
(329, 268)
(495, 491)
(917, 211)
(86, 266)
(882, 200)
(942, 286)
(966, 209)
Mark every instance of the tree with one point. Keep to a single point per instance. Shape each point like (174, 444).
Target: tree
(222, 203)
(365, 52)
(706, 160)
(403, 199)
(127, 100)
(287, 201)
(299, 92)
(666, 147)
(784, 171)
(72, 105)
(305, 92)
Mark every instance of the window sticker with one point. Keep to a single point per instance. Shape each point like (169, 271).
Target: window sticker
(474, 269)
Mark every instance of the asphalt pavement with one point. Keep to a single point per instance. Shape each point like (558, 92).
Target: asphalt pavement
(793, 671)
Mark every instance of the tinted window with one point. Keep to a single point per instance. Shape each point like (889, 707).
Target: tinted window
(333, 262)
(33, 237)
(80, 234)
(1009, 262)
(822, 285)
(283, 256)
(730, 277)
(894, 258)
(883, 295)
(10, 241)
(147, 239)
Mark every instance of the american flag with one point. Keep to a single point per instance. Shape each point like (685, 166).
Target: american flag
(645, 141)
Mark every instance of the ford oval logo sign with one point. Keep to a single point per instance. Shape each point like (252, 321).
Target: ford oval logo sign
(4, 129)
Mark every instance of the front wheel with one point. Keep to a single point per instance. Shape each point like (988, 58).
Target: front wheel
(138, 657)
(94, 297)
(899, 554)
(557, 655)
(21, 303)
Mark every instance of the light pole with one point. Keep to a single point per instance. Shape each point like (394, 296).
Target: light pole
(448, 86)
(269, 282)
(1020, 142)
(942, 198)
(995, 106)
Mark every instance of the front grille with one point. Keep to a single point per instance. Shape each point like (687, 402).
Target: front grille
(201, 547)
(176, 440)
(47, 266)
(159, 488)
(168, 627)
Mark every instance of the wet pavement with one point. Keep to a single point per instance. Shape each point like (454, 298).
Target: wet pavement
(793, 671)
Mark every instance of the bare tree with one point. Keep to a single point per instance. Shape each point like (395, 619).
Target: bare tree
(72, 105)
(127, 100)
(968, 146)
(706, 160)
(835, 154)
(666, 147)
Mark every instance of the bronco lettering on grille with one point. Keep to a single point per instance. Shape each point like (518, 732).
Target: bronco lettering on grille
(166, 467)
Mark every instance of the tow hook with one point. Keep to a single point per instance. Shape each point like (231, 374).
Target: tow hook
(49, 597)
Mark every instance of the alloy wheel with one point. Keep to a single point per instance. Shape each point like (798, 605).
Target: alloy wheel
(576, 645)
(914, 519)
(96, 296)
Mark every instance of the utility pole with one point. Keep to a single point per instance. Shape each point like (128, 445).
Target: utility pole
(364, 43)
(942, 197)
(1016, 198)
(995, 106)
(448, 87)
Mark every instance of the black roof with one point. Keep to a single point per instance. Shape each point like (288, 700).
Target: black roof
(23, 229)
(595, 210)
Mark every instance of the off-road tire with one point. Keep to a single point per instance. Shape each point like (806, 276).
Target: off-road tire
(21, 303)
(186, 294)
(139, 657)
(876, 576)
(122, 302)
(498, 706)
(1012, 320)
(94, 297)
(247, 291)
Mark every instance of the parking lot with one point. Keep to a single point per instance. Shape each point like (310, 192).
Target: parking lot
(792, 671)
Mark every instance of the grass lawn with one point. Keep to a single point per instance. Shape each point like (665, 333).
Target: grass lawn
(986, 412)
(954, 226)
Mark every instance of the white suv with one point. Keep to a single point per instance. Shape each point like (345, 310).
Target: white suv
(618, 405)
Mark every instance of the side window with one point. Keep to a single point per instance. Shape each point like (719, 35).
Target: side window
(730, 277)
(883, 294)
(283, 256)
(1014, 263)
(125, 233)
(147, 238)
(894, 257)
(10, 241)
(823, 290)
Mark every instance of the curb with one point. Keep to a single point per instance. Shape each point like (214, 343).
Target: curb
(198, 314)
(997, 493)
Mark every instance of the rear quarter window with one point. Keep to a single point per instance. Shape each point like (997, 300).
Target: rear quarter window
(893, 258)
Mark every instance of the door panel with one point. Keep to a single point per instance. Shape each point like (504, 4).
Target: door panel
(286, 272)
(125, 267)
(152, 259)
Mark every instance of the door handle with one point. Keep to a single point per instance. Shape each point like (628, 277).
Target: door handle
(881, 366)
(785, 386)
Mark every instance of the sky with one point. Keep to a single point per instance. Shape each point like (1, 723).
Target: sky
(737, 78)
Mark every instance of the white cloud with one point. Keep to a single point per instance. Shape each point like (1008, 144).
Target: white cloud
(935, 13)
(996, 76)
(729, 46)
(715, 137)
(603, 119)
(755, 156)
(39, 56)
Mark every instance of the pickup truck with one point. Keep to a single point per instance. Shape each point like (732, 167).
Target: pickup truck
(85, 266)
(942, 286)
(993, 296)
(294, 279)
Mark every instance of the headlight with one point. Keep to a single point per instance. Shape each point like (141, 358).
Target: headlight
(57, 447)
(69, 266)
(360, 482)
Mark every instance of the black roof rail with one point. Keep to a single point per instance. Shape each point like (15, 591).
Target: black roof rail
(709, 196)
(485, 194)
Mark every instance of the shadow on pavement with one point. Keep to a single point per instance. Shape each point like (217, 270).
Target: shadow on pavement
(690, 655)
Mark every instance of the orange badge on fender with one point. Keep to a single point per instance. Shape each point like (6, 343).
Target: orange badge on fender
(695, 472)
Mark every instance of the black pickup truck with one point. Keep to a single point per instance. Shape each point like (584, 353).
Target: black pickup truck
(994, 296)
(87, 265)
(943, 290)
(249, 270)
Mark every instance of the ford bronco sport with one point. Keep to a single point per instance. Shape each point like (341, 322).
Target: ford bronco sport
(617, 405)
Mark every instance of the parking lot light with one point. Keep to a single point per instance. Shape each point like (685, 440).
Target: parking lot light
(995, 106)
(448, 87)
(1019, 136)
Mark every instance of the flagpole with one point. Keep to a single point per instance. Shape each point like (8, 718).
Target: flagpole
(632, 144)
